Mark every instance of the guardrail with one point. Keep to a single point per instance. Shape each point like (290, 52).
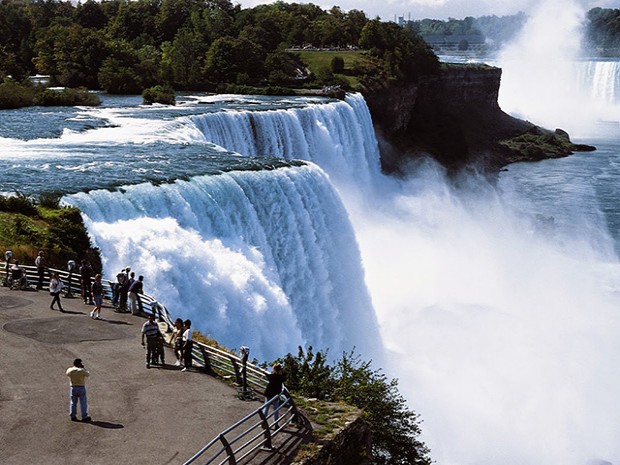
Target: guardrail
(253, 433)
(249, 378)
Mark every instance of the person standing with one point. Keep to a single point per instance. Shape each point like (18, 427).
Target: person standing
(97, 290)
(55, 289)
(275, 382)
(188, 344)
(135, 288)
(150, 330)
(40, 264)
(124, 290)
(86, 274)
(178, 341)
(77, 375)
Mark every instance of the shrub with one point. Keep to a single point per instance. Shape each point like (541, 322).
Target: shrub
(159, 94)
(18, 203)
(337, 64)
(15, 95)
(66, 97)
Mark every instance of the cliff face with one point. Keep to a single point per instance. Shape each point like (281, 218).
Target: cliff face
(454, 117)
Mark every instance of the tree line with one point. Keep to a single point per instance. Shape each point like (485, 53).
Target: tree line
(601, 29)
(126, 46)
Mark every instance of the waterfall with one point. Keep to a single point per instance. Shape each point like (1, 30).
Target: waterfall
(266, 259)
(602, 79)
(338, 136)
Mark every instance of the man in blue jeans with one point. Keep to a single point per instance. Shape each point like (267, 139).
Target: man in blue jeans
(78, 374)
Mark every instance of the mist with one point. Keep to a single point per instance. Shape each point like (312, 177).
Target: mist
(543, 75)
(502, 330)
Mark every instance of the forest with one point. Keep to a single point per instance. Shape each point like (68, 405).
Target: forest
(124, 46)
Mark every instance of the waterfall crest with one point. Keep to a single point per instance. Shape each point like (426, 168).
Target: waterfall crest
(339, 136)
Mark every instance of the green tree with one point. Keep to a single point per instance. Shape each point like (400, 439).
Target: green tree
(70, 54)
(183, 59)
(395, 428)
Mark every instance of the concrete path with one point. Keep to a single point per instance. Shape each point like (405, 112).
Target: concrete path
(140, 416)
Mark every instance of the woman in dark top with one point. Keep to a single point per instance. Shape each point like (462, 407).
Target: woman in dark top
(272, 391)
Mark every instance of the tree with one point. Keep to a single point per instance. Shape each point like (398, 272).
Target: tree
(183, 59)
(395, 428)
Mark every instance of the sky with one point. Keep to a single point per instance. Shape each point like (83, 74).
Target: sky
(387, 10)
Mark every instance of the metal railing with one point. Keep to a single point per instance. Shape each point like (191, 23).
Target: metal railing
(260, 429)
(253, 433)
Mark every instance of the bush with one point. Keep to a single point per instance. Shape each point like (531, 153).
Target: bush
(159, 94)
(337, 65)
(18, 203)
(15, 95)
(66, 97)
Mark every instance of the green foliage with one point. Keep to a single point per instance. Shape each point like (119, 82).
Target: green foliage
(18, 203)
(603, 31)
(66, 97)
(15, 95)
(28, 225)
(337, 64)
(394, 427)
(126, 46)
(159, 94)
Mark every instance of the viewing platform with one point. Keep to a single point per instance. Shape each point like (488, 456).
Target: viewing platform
(139, 416)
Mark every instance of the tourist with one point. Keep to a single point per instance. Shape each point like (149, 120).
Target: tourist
(177, 335)
(18, 276)
(135, 288)
(55, 289)
(188, 344)
(275, 382)
(86, 274)
(78, 374)
(150, 330)
(124, 289)
(97, 291)
(40, 264)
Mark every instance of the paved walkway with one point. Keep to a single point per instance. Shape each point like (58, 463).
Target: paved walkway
(140, 416)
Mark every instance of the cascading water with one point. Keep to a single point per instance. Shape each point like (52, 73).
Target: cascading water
(264, 258)
(602, 78)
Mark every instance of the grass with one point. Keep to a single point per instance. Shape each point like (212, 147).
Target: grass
(322, 59)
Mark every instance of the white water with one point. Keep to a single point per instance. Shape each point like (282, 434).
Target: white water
(266, 259)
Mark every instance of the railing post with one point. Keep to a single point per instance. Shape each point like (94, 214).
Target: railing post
(206, 359)
(231, 454)
(266, 430)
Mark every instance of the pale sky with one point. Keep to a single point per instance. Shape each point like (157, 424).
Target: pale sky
(437, 9)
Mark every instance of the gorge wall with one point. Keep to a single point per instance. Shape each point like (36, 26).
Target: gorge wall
(454, 117)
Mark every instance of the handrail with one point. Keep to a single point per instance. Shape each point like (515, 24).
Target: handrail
(254, 432)
(215, 361)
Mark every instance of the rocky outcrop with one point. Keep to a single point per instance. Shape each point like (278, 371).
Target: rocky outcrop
(349, 446)
(454, 117)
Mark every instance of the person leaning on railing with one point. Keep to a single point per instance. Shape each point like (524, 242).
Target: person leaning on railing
(275, 382)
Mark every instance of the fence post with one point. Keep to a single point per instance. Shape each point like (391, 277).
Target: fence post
(206, 359)
(229, 451)
(265, 424)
